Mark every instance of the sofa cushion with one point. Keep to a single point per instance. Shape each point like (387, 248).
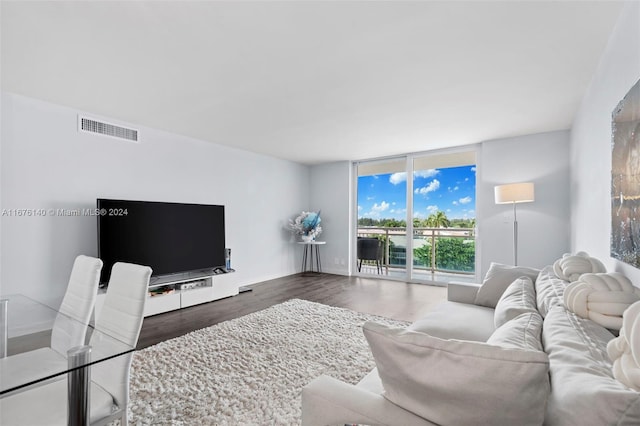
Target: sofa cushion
(453, 320)
(372, 383)
(523, 332)
(459, 382)
(518, 298)
(549, 290)
(497, 280)
(581, 374)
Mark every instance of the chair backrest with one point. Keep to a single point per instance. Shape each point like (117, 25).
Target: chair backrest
(121, 317)
(369, 248)
(70, 325)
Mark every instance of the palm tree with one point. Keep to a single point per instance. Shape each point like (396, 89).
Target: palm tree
(438, 220)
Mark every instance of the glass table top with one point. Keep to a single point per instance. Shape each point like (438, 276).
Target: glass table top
(30, 358)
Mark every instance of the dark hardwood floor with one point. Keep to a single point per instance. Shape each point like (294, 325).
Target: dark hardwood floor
(392, 299)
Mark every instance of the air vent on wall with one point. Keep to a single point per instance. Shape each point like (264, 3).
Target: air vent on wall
(90, 125)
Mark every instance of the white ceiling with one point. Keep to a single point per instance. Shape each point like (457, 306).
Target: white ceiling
(313, 81)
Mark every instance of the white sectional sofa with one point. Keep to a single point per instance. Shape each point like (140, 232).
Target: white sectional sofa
(465, 363)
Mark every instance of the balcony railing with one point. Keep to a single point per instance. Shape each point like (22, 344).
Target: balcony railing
(447, 250)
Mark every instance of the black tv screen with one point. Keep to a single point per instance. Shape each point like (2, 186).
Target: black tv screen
(171, 238)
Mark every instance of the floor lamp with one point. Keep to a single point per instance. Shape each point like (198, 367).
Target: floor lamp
(514, 193)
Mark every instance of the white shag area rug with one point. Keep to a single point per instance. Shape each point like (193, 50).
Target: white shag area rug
(249, 370)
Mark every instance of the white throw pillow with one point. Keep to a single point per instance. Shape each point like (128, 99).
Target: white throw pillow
(602, 298)
(454, 382)
(497, 280)
(624, 350)
(569, 267)
(518, 298)
(523, 332)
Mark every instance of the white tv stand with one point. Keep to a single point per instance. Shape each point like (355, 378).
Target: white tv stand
(170, 295)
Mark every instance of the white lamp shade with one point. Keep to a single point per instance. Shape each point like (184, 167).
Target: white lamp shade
(514, 193)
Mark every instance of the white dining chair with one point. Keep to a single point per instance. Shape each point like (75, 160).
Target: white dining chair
(121, 318)
(78, 304)
(69, 327)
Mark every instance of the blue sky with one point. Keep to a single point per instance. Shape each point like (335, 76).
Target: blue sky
(451, 190)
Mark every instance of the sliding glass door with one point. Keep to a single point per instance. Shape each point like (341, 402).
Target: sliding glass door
(382, 213)
(444, 198)
(425, 225)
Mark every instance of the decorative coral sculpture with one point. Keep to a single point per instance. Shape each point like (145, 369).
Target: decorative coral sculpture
(569, 267)
(624, 350)
(601, 298)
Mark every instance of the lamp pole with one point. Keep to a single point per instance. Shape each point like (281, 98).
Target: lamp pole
(514, 193)
(515, 236)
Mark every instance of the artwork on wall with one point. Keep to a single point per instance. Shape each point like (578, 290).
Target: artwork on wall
(625, 179)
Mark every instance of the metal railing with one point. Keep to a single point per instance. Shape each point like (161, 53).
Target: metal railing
(449, 250)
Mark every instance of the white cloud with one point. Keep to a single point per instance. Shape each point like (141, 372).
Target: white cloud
(455, 203)
(425, 173)
(455, 188)
(400, 177)
(380, 207)
(376, 209)
(432, 209)
(397, 178)
(359, 208)
(465, 200)
(473, 169)
(466, 179)
(430, 187)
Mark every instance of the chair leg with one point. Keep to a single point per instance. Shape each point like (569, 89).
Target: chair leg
(359, 264)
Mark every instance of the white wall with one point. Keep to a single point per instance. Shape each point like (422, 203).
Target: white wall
(543, 225)
(330, 190)
(47, 163)
(618, 71)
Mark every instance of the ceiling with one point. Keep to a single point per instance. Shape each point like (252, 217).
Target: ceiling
(309, 81)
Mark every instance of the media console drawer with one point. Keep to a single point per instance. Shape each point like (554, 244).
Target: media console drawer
(162, 303)
(195, 296)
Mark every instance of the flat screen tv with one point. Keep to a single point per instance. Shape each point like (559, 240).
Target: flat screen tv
(171, 238)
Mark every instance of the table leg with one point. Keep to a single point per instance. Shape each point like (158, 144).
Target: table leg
(78, 382)
(4, 326)
(304, 259)
(318, 265)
